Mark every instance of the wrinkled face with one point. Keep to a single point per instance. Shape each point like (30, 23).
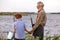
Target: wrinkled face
(39, 5)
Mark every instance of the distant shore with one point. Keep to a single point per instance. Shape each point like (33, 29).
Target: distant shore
(23, 13)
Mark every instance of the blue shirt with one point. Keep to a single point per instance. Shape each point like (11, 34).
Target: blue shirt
(20, 29)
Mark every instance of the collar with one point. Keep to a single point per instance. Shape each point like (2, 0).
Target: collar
(39, 10)
(19, 19)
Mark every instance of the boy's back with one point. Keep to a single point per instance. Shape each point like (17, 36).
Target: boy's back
(20, 29)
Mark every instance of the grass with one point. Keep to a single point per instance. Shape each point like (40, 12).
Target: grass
(29, 37)
(55, 37)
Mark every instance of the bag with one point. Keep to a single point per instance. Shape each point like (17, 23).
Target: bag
(10, 35)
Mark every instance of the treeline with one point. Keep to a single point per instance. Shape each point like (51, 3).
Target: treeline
(56, 13)
(12, 13)
(6, 13)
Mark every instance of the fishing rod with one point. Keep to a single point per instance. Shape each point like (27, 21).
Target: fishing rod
(31, 21)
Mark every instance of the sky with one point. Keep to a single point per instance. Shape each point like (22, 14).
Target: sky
(28, 5)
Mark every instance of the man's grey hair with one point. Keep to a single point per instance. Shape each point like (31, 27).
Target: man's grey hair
(41, 3)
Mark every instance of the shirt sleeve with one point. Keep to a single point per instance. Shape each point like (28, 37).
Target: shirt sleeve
(14, 24)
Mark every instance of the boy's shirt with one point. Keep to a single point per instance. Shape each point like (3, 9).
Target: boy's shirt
(20, 29)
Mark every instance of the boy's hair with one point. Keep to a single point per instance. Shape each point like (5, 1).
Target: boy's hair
(18, 15)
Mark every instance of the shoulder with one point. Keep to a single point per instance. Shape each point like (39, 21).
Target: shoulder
(15, 23)
(23, 22)
(42, 12)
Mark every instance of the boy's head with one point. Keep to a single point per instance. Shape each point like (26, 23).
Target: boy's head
(18, 16)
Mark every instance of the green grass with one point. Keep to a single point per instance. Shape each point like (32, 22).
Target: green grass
(55, 37)
(29, 37)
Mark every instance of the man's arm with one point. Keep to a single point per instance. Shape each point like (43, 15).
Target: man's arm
(39, 19)
(35, 19)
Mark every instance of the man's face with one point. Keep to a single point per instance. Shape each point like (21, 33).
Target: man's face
(39, 5)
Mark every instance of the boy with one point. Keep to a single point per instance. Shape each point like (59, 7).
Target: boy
(19, 27)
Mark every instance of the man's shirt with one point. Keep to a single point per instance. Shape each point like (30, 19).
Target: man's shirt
(40, 19)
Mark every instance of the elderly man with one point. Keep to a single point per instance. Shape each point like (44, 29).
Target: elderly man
(38, 28)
